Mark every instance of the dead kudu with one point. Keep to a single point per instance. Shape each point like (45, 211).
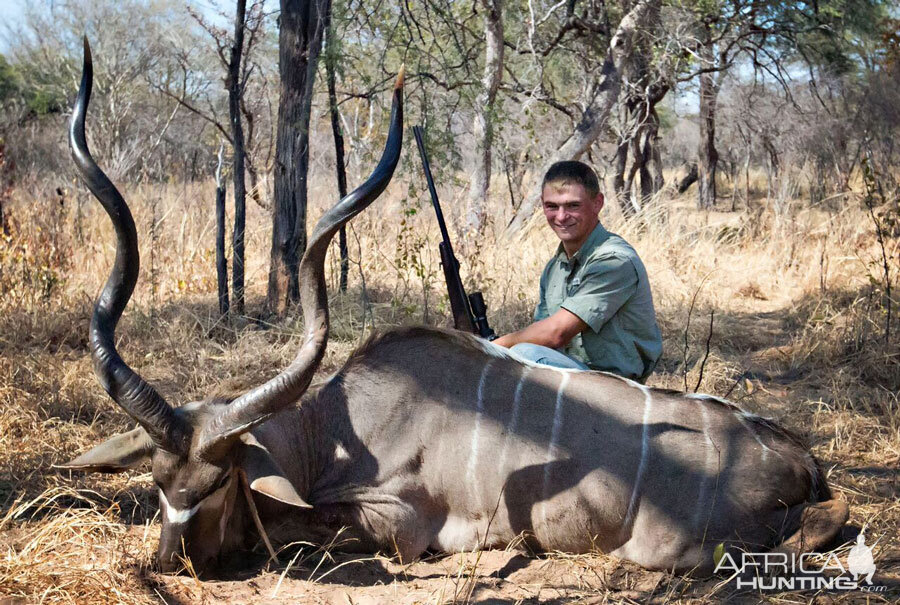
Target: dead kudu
(437, 439)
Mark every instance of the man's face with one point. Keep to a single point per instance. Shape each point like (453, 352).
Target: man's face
(571, 212)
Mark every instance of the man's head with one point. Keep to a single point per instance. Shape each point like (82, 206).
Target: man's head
(571, 198)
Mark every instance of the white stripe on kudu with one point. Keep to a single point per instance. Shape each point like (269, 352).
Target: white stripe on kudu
(704, 480)
(513, 424)
(175, 515)
(554, 432)
(743, 419)
(554, 441)
(645, 453)
(479, 412)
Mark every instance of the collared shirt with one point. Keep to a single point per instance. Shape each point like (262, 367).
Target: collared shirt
(605, 284)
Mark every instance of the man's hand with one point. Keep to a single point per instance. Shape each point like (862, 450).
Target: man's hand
(555, 331)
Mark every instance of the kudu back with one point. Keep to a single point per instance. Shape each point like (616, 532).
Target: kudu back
(431, 438)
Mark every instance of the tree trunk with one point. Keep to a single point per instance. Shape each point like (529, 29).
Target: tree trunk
(299, 44)
(235, 86)
(733, 170)
(484, 118)
(747, 178)
(639, 125)
(221, 261)
(654, 165)
(623, 194)
(642, 159)
(337, 132)
(6, 183)
(595, 118)
(631, 173)
(707, 156)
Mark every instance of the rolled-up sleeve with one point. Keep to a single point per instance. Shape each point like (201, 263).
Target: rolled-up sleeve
(605, 287)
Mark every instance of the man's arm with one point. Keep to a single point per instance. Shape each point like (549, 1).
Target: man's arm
(603, 291)
(555, 331)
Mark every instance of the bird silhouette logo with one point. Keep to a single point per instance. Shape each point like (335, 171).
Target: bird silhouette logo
(860, 560)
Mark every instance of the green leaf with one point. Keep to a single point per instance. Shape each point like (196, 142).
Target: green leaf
(718, 553)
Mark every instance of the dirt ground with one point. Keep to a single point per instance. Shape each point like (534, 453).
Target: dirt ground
(492, 577)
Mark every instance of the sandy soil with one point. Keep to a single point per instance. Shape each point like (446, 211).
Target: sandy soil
(487, 577)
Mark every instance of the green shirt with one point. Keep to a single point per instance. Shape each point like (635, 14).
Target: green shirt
(606, 286)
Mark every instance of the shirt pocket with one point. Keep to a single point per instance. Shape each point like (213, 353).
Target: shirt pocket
(572, 286)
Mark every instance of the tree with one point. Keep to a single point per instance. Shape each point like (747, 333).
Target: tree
(300, 41)
(331, 59)
(235, 85)
(707, 155)
(604, 93)
(645, 83)
(129, 123)
(9, 80)
(484, 113)
(234, 54)
(221, 260)
(767, 36)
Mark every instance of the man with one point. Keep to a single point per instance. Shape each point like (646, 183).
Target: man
(595, 309)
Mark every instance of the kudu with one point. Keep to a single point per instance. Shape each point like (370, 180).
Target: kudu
(431, 438)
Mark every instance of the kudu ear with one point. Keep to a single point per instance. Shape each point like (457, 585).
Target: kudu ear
(265, 476)
(114, 455)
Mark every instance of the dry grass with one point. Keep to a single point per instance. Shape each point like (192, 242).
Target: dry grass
(797, 335)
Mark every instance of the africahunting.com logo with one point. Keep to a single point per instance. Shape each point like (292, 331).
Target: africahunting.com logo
(807, 571)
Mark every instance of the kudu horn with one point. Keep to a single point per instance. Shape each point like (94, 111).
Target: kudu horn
(257, 405)
(124, 385)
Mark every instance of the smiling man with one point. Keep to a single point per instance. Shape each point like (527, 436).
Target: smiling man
(595, 309)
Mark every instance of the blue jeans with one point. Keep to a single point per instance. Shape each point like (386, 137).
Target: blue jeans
(546, 356)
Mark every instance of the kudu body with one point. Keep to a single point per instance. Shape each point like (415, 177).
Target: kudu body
(436, 439)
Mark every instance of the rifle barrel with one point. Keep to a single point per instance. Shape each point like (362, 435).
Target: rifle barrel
(420, 141)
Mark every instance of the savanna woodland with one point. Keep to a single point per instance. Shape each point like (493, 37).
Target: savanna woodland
(747, 149)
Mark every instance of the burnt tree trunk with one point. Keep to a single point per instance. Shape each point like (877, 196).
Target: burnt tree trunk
(707, 155)
(235, 85)
(221, 260)
(689, 179)
(299, 44)
(337, 132)
(484, 114)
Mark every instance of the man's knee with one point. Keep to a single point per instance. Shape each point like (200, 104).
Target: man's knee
(546, 356)
(528, 351)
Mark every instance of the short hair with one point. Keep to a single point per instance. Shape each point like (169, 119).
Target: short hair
(572, 172)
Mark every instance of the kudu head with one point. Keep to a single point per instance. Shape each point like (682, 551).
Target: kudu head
(200, 452)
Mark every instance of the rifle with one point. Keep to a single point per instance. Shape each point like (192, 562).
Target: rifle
(469, 312)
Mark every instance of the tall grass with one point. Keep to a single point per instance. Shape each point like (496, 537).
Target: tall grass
(796, 334)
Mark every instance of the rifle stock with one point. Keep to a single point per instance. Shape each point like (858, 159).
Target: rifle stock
(459, 303)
